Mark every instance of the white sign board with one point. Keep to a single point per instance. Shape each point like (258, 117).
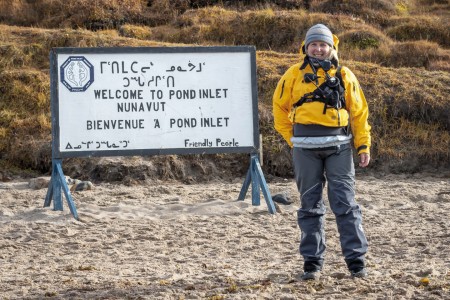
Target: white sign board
(132, 101)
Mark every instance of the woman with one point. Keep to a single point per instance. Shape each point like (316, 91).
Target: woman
(314, 104)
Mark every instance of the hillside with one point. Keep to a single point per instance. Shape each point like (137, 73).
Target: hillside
(399, 50)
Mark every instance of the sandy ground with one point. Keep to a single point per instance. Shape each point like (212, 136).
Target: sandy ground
(168, 240)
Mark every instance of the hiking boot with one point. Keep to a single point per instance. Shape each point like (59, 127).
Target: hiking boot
(311, 275)
(361, 273)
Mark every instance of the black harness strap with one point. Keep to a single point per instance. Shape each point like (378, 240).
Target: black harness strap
(316, 95)
(339, 76)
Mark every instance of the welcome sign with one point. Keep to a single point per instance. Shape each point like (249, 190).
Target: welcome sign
(136, 101)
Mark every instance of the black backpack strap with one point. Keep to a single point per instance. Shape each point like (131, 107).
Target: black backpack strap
(341, 83)
(339, 76)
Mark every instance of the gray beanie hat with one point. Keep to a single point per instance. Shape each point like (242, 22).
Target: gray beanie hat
(319, 32)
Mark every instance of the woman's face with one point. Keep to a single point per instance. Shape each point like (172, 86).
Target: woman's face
(319, 50)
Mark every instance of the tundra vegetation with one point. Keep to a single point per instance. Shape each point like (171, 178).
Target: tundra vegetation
(399, 50)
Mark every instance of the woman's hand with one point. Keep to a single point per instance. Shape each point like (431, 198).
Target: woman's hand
(364, 159)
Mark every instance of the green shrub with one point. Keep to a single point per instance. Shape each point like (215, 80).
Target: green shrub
(361, 39)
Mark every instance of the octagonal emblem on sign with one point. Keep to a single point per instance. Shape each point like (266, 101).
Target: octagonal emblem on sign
(77, 73)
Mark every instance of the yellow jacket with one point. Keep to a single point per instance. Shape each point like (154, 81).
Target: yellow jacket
(292, 87)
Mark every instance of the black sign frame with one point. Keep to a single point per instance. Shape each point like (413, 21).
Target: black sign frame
(54, 85)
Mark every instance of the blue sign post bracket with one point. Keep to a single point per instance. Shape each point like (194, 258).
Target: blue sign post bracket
(255, 176)
(58, 183)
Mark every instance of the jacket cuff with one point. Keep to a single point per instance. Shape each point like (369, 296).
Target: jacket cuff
(363, 149)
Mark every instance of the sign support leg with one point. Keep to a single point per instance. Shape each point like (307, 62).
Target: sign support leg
(58, 183)
(255, 177)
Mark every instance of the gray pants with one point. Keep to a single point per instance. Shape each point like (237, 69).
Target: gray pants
(312, 169)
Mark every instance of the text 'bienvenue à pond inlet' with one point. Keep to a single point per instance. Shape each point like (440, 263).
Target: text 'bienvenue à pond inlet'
(173, 123)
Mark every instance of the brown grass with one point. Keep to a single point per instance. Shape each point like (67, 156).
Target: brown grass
(362, 39)
(405, 76)
(24, 117)
(402, 140)
(97, 14)
(372, 11)
(137, 32)
(428, 28)
(266, 29)
(413, 54)
(439, 8)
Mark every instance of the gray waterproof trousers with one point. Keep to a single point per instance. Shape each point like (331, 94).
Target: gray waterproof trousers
(313, 167)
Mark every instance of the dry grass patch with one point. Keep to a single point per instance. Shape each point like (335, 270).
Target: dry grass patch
(266, 29)
(137, 32)
(435, 7)
(372, 11)
(413, 94)
(412, 54)
(246, 4)
(25, 91)
(10, 56)
(408, 145)
(442, 63)
(98, 14)
(24, 111)
(30, 153)
(430, 28)
(361, 39)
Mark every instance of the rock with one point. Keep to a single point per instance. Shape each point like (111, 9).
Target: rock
(39, 183)
(4, 178)
(427, 272)
(277, 208)
(282, 199)
(79, 186)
